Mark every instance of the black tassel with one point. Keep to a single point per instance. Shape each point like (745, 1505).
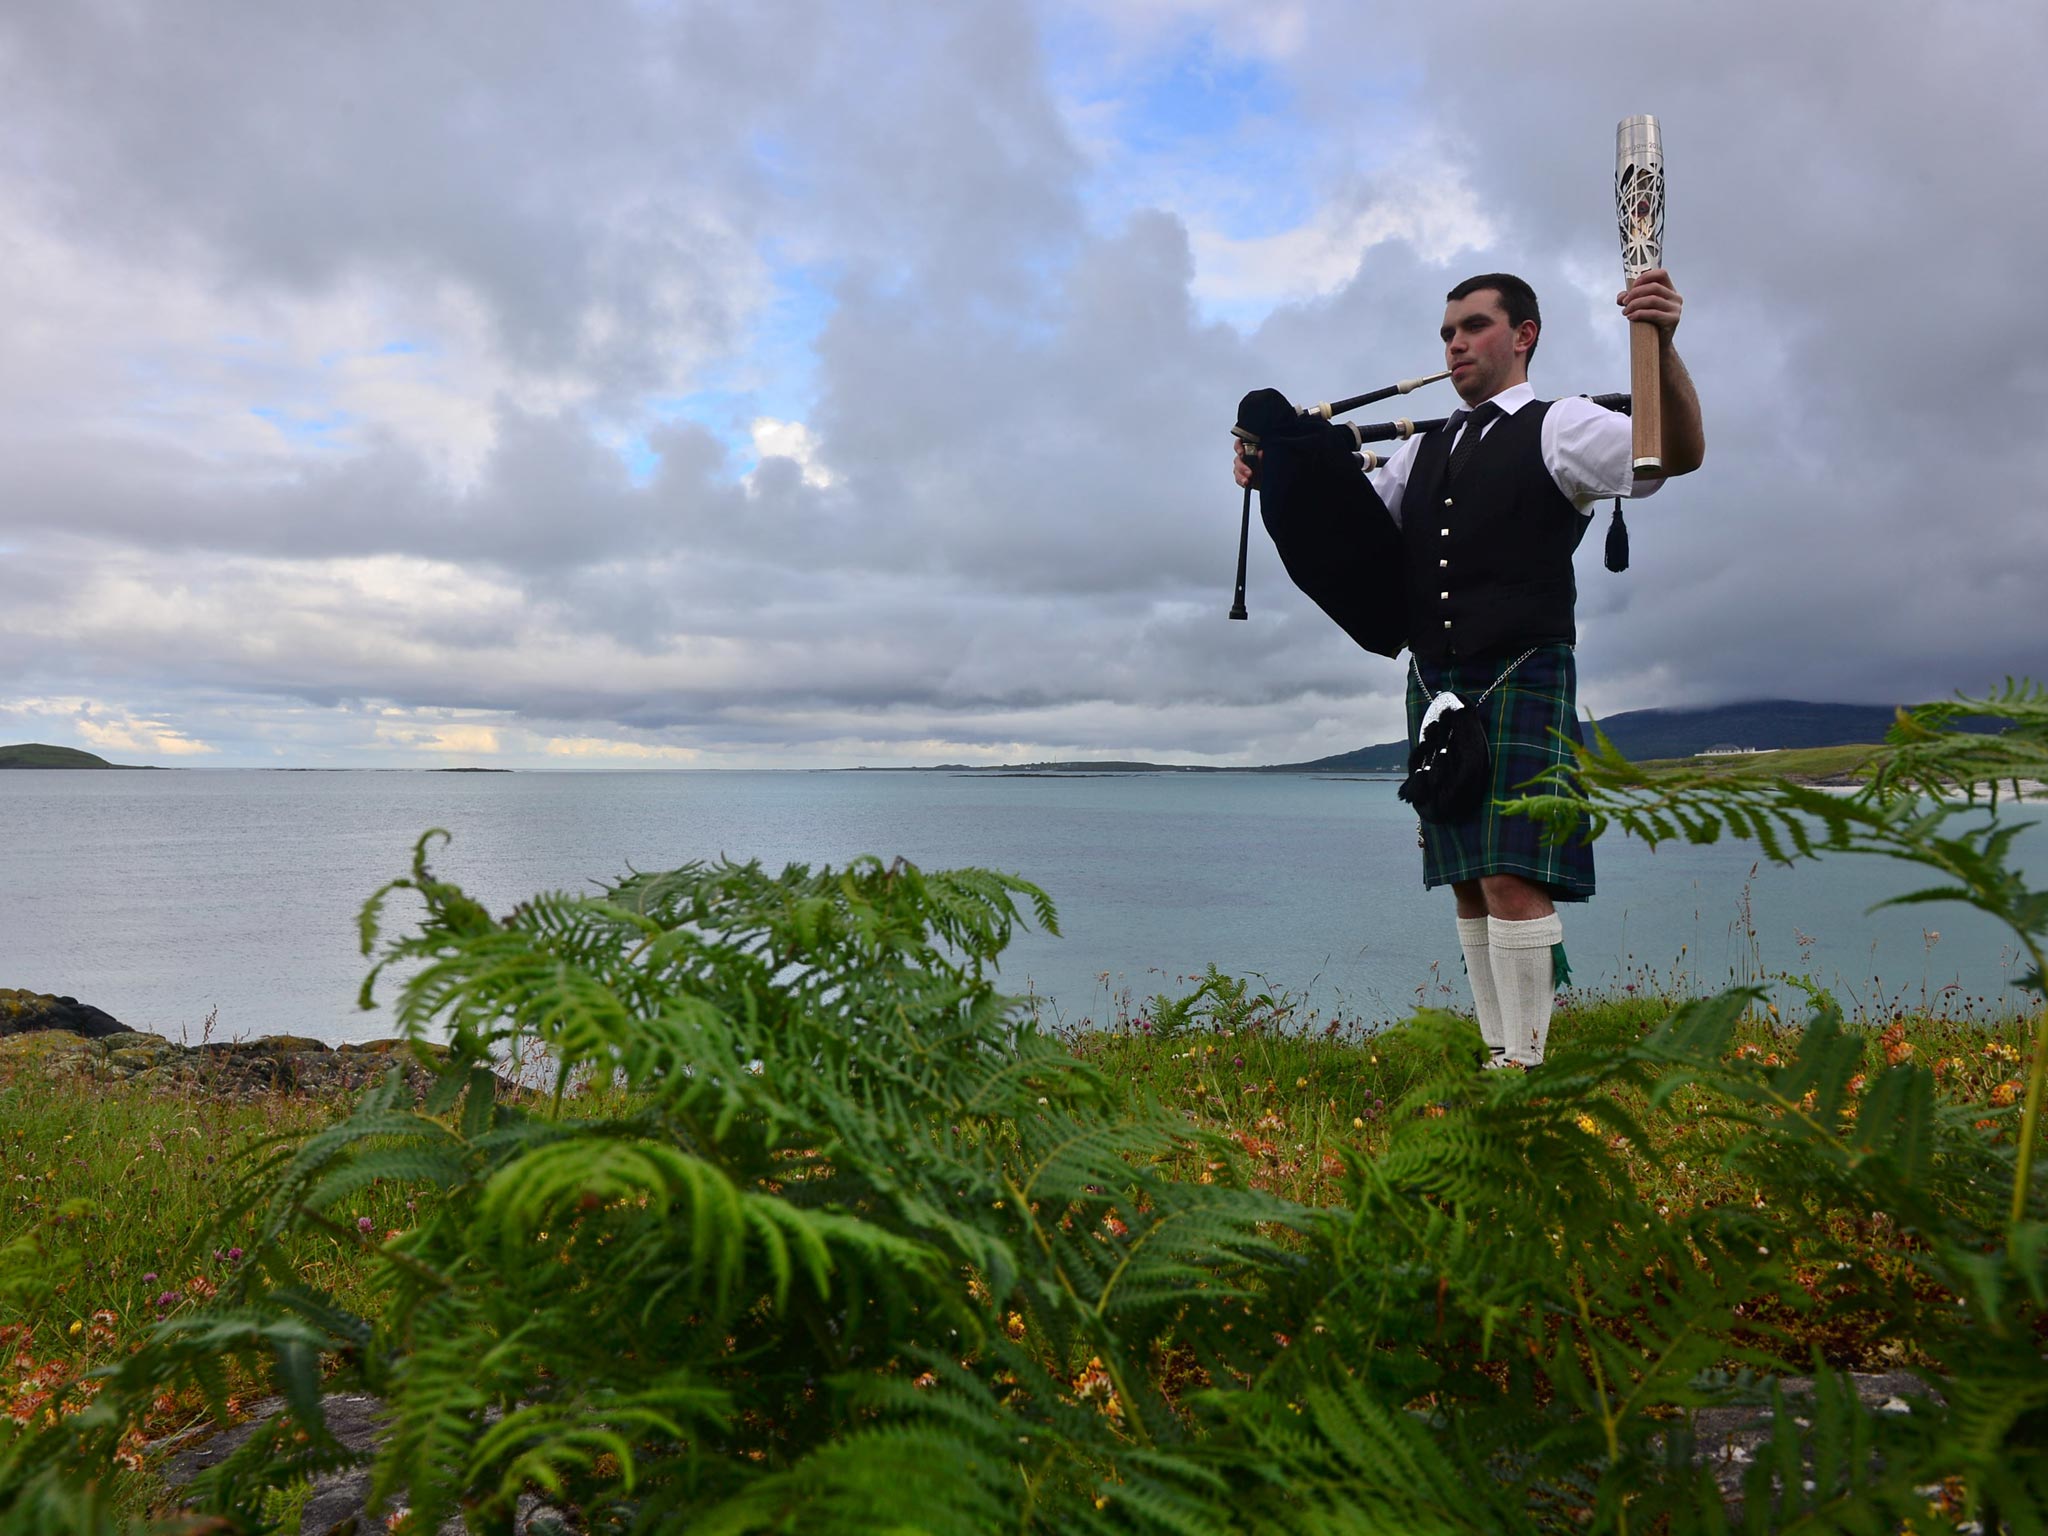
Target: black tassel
(1617, 541)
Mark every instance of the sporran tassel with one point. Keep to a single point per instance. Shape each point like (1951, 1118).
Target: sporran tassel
(1617, 540)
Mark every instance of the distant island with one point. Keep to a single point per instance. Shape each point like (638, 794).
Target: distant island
(34, 754)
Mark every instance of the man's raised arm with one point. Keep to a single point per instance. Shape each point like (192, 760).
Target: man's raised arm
(1652, 298)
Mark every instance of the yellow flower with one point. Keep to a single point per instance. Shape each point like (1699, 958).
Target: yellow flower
(1357, 1124)
(76, 1328)
(1301, 1082)
(1586, 1124)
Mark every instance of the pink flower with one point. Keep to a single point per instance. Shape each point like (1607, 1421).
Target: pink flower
(364, 1224)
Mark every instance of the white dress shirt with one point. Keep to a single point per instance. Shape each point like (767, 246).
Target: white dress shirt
(1586, 447)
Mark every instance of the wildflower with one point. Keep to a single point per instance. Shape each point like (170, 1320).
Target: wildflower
(1115, 1226)
(1013, 1325)
(168, 1299)
(1301, 1082)
(76, 1328)
(364, 1224)
(2005, 1094)
(234, 1255)
(1585, 1123)
(149, 1277)
(1094, 1385)
(1357, 1124)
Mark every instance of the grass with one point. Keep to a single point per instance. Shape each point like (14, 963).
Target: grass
(1290, 1099)
(123, 1186)
(137, 1178)
(1804, 763)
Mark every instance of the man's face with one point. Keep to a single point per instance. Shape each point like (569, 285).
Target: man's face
(1484, 353)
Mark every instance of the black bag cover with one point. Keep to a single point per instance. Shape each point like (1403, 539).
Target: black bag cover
(1333, 532)
(1448, 770)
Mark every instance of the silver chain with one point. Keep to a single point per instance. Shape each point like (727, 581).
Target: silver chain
(1416, 664)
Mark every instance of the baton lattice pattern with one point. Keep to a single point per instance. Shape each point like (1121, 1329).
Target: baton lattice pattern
(1639, 210)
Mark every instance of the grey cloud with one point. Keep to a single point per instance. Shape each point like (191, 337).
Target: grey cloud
(1023, 406)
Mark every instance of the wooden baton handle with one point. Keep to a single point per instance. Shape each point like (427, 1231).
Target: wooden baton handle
(1645, 376)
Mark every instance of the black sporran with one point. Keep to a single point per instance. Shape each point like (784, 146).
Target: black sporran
(1448, 769)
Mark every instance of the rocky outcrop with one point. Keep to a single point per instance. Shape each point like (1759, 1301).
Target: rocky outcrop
(339, 1502)
(24, 1013)
(1726, 1440)
(234, 1068)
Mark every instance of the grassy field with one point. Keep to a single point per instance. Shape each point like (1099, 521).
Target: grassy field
(142, 1178)
(1805, 763)
(138, 1180)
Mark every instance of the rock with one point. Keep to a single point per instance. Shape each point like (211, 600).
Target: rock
(1726, 1440)
(339, 1504)
(50, 1048)
(230, 1069)
(24, 1013)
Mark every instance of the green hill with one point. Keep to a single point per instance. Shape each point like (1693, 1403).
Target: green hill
(1646, 735)
(33, 754)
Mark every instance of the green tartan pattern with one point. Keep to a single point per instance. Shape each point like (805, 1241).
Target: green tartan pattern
(1522, 720)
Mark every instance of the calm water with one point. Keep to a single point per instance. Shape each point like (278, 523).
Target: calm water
(163, 897)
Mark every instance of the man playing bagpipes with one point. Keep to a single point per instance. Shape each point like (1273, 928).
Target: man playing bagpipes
(1459, 549)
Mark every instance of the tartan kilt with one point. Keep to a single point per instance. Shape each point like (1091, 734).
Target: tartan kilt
(1522, 721)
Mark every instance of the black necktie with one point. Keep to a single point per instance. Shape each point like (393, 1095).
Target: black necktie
(1475, 421)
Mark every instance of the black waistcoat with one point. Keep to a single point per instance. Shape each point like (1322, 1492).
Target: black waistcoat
(1489, 563)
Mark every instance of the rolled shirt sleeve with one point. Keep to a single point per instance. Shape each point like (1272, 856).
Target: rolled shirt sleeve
(1588, 449)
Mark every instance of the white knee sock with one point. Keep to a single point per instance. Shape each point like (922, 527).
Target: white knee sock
(1479, 972)
(1522, 980)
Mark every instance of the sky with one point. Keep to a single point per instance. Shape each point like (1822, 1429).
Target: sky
(630, 384)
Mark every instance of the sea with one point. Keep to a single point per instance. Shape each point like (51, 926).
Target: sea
(222, 903)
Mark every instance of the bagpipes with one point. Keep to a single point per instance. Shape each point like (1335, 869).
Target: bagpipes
(1313, 495)
(1333, 534)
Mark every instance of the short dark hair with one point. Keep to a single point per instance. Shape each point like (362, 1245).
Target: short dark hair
(1516, 297)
